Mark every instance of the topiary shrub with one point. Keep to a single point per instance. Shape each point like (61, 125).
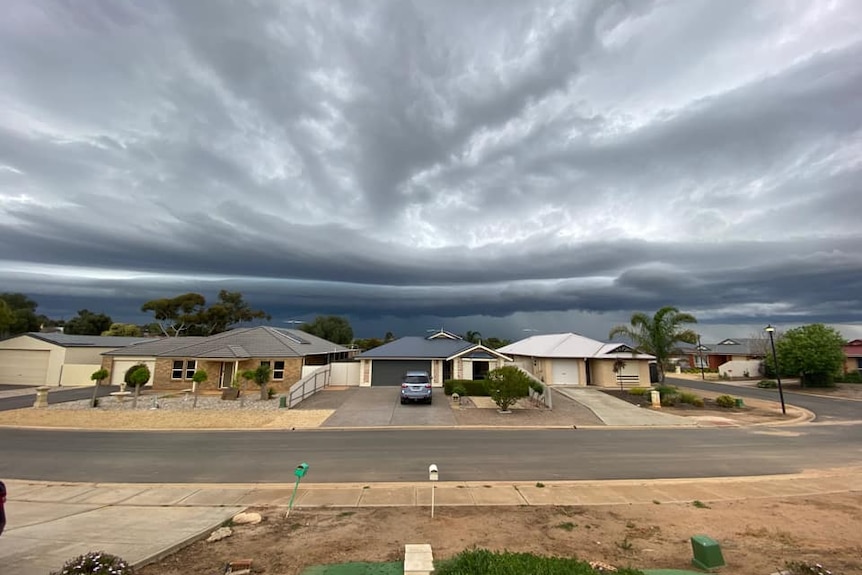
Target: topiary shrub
(95, 563)
(137, 376)
(767, 384)
(725, 401)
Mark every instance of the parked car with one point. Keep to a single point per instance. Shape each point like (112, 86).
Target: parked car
(2, 506)
(416, 386)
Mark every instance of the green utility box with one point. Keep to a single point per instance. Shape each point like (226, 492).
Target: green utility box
(282, 401)
(739, 402)
(707, 553)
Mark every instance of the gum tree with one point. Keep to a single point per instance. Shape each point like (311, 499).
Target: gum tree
(813, 352)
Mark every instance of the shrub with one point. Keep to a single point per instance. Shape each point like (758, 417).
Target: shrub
(818, 380)
(666, 390)
(690, 398)
(487, 562)
(476, 388)
(537, 386)
(137, 376)
(95, 563)
(270, 393)
(852, 377)
(506, 385)
(639, 391)
(767, 384)
(803, 568)
(725, 401)
(669, 400)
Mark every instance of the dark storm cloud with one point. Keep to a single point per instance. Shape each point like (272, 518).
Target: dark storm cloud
(435, 159)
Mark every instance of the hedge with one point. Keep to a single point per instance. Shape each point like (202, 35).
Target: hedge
(476, 388)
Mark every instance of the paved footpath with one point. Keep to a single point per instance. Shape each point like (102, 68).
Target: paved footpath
(50, 523)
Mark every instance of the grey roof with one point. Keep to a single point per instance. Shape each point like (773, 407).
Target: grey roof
(156, 347)
(68, 340)
(418, 347)
(243, 343)
(742, 346)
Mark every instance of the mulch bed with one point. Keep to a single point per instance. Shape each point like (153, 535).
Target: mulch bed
(644, 401)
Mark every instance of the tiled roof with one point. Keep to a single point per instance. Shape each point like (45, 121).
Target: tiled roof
(242, 343)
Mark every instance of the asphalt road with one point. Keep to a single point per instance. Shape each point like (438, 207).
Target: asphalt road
(827, 409)
(461, 454)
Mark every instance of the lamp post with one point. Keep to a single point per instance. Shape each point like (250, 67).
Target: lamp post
(770, 330)
(700, 353)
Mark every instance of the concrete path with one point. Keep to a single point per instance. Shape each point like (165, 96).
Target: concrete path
(50, 523)
(615, 412)
(381, 407)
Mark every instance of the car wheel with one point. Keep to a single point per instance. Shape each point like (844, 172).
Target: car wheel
(403, 401)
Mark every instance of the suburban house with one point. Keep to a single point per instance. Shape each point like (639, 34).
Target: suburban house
(572, 359)
(291, 354)
(443, 355)
(853, 356)
(56, 358)
(745, 353)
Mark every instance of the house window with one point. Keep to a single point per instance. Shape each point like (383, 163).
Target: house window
(181, 366)
(701, 362)
(278, 370)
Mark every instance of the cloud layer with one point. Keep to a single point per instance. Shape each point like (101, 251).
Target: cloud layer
(436, 159)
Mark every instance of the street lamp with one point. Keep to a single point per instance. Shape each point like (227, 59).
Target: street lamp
(700, 354)
(770, 330)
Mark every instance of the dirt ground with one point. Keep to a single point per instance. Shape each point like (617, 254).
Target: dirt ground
(756, 536)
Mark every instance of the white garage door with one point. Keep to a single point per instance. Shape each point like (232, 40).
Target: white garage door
(24, 366)
(121, 366)
(566, 372)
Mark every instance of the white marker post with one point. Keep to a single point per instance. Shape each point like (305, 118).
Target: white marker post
(432, 475)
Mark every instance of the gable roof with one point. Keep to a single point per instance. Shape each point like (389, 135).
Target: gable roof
(242, 343)
(569, 345)
(415, 347)
(69, 340)
(735, 346)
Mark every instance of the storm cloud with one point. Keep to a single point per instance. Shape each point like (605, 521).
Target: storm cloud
(512, 164)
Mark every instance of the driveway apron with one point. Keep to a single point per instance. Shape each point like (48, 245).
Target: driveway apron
(381, 407)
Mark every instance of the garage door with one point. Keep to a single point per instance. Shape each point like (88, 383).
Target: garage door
(566, 372)
(391, 372)
(121, 366)
(24, 366)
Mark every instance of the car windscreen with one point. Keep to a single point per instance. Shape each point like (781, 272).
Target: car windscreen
(415, 379)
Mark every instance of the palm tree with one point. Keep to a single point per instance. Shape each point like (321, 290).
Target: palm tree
(473, 337)
(657, 335)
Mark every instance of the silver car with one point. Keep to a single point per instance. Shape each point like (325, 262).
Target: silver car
(416, 386)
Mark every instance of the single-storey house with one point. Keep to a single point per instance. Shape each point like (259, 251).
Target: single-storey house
(56, 358)
(572, 359)
(290, 353)
(714, 355)
(443, 355)
(853, 356)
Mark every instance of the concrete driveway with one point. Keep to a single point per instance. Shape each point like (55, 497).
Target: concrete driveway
(379, 407)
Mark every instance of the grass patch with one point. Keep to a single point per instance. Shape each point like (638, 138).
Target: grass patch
(484, 562)
(539, 484)
(346, 514)
(567, 526)
(700, 504)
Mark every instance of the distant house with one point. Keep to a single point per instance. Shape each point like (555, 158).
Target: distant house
(572, 359)
(853, 356)
(290, 353)
(443, 355)
(56, 358)
(714, 355)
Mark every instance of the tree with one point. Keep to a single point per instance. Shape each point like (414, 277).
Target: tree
(123, 330)
(97, 376)
(88, 323)
(813, 352)
(7, 318)
(506, 385)
(495, 342)
(137, 376)
(260, 376)
(331, 328)
(658, 334)
(176, 315)
(619, 366)
(23, 311)
(368, 343)
(473, 337)
(230, 309)
(200, 376)
(388, 337)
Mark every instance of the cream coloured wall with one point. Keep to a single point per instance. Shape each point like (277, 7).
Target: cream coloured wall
(603, 373)
(56, 356)
(78, 374)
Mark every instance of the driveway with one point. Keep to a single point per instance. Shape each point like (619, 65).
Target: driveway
(379, 407)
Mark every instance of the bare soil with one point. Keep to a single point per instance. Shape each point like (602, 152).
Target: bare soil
(756, 536)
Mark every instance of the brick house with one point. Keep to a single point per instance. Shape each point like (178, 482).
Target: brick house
(853, 356)
(173, 361)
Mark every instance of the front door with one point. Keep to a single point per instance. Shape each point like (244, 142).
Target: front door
(226, 375)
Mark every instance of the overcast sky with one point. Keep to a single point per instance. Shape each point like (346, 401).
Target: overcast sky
(488, 165)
